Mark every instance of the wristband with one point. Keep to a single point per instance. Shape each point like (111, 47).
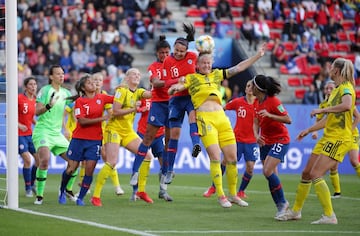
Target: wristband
(47, 106)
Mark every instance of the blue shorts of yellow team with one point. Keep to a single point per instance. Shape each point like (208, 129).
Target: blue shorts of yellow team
(159, 114)
(276, 150)
(26, 144)
(84, 150)
(123, 139)
(334, 148)
(178, 105)
(249, 150)
(157, 145)
(215, 128)
(57, 144)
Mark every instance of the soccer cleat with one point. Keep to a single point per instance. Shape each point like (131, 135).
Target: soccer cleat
(289, 215)
(96, 201)
(241, 194)
(70, 195)
(144, 196)
(235, 199)
(336, 195)
(164, 195)
(282, 208)
(62, 198)
(133, 197)
(134, 179)
(224, 202)
(119, 190)
(196, 150)
(328, 220)
(38, 200)
(80, 202)
(29, 193)
(169, 177)
(210, 191)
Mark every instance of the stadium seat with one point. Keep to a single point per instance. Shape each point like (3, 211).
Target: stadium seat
(342, 36)
(310, 14)
(279, 24)
(238, 23)
(306, 81)
(283, 69)
(289, 46)
(193, 12)
(212, 3)
(357, 81)
(350, 56)
(275, 34)
(343, 47)
(357, 92)
(294, 82)
(352, 36)
(199, 24)
(270, 24)
(348, 25)
(314, 69)
(299, 93)
(238, 3)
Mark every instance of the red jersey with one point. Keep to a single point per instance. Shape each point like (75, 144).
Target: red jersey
(174, 69)
(144, 109)
(90, 108)
(243, 129)
(272, 131)
(26, 111)
(157, 94)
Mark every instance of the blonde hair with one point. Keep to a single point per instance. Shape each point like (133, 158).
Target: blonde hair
(346, 69)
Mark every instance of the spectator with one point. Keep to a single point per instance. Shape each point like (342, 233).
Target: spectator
(305, 49)
(250, 9)
(124, 32)
(247, 29)
(101, 47)
(121, 14)
(100, 65)
(265, 8)
(278, 53)
(97, 34)
(66, 61)
(56, 19)
(310, 96)
(38, 34)
(138, 28)
(321, 16)
(357, 66)
(52, 58)
(261, 30)
(208, 20)
(123, 59)
(322, 50)
(35, 56)
(278, 10)
(110, 34)
(290, 31)
(199, 4)
(331, 31)
(223, 10)
(80, 58)
(25, 34)
(22, 56)
(355, 45)
(109, 58)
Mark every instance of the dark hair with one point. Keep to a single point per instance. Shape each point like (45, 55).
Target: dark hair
(162, 43)
(27, 80)
(51, 70)
(267, 85)
(79, 87)
(189, 29)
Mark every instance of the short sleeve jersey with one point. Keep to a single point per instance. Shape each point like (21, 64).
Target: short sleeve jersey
(51, 121)
(26, 112)
(70, 122)
(201, 86)
(243, 129)
(90, 108)
(142, 123)
(340, 124)
(128, 99)
(174, 69)
(157, 94)
(272, 131)
(107, 107)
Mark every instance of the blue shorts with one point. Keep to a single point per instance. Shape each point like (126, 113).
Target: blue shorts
(250, 151)
(178, 105)
(159, 114)
(276, 150)
(157, 145)
(26, 144)
(81, 149)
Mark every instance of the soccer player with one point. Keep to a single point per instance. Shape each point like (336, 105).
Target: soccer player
(332, 147)
(245, 139)
(271, 134)
(86, 141)
(157, 148)
(214, 126)
(47, 135)
(158, 113)
(26, 111)
(119, 131)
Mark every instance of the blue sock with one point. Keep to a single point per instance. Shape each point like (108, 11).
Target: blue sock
(135, 188)
(172, 149)
(33, 175)
(85, 185)
(139, 157)
(27, 178)
(276, 190)
(165, 163)
(194, 134)
(245, 181)
(64, 181)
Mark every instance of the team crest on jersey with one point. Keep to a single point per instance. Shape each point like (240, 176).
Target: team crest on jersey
(190, 62)
(98, 101)
(117, 94)
(77, 111)
(281, 108)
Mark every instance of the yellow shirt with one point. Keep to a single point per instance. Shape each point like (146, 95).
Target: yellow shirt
(128, 99)
(200, 86)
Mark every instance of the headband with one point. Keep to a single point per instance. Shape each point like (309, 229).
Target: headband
(257, 86)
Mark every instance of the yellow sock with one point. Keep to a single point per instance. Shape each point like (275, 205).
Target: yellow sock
(232, 177)
(323, 194)
(303, 190)
(335, 181)
(81, 173)
(114, 177)
(216, 176)
(101, 179)
(357, 169)
(143, 174)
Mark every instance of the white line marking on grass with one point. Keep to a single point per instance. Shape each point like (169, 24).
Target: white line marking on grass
(255, 232)
(103, 226)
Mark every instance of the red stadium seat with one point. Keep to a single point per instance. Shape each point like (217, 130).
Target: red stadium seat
(314, 69)
(307, 81)
(348, 25)
(343, 47)
(294, 82)
(352, 36)
(357, 91)
(275, 34)
(279, 24)
(299, 93)
(238, 3)
(283, 69)
(289, 46)
(212, 3)
(342, 36)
